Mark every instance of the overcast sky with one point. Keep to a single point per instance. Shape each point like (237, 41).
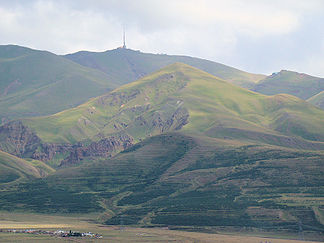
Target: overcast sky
(261, 36)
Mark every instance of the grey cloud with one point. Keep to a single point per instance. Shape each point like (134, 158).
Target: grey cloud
(255, 35)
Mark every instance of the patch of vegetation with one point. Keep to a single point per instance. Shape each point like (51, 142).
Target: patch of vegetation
(38, 196)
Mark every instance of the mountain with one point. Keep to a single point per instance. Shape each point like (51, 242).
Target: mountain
(317, 100)
(126, 65)
(298, 84)
(178, 97)
(178, 147)
(181, 97)
(34, 83)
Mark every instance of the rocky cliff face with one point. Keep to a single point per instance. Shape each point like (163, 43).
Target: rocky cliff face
(19, 140)
(117, 98)
(47, 151)
(103, 148)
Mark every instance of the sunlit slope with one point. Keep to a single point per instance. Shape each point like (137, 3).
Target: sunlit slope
(298, 84)
(182, 97)
(14, 169)
(126, 65)
(36, 82)
(317, 100)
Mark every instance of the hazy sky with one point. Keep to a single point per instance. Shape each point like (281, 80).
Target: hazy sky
(261, 36)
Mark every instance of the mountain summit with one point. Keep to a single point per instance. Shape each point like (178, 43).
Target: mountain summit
(126, 65)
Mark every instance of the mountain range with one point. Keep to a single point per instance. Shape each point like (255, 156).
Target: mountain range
(126, 65)
(180, 146)
(35, 83)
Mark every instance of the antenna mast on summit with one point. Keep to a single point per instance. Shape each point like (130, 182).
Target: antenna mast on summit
(124, 42)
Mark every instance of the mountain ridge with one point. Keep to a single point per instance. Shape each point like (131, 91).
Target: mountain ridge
(301, 85)
(135, 64)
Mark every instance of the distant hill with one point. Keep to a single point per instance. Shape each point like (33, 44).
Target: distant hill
(298, 84)
(36, 82)
(126, 65)
(317, 100)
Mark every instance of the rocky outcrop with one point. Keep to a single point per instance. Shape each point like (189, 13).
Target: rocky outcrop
(117, 98)
(178, 119)
(103, 148)
(17, 139)
(21, 141)
(174, 122)
(47, 151)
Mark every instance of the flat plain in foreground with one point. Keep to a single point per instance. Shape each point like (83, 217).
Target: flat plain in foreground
(110, 233)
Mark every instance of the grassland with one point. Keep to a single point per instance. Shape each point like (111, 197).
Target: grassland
(39, 83)
(117, 233)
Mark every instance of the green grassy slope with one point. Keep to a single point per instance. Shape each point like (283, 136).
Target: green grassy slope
(205, 153)
(182, 97)
(317, 100)
(14, 169)
(40, 83)
(127, 65)
(298, 84)
(174, 179)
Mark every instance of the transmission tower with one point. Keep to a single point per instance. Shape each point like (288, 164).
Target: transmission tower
(124, 38)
